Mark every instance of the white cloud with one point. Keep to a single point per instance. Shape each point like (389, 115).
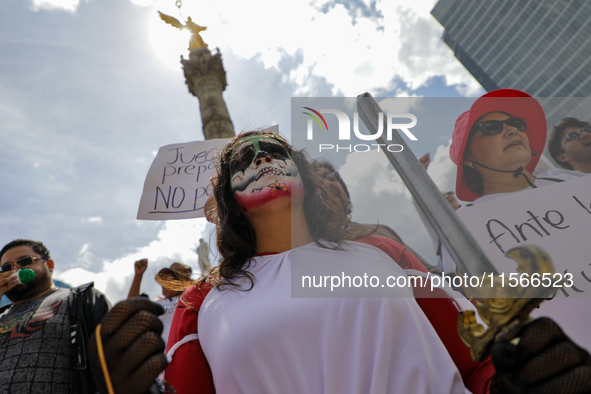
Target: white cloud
(144, 3)
(114, 278)
(63, 5)
(92, 219)
(354, 52)
(83, 121)
(421, 48)
(379, 195)
(442, 170)
(382, 198)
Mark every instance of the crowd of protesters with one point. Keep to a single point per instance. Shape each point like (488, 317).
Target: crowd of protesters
(238, 328)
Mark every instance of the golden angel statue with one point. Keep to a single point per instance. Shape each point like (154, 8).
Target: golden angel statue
(196, 41)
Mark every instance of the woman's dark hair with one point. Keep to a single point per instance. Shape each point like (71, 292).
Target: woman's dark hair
(473, 180)
(236, 239)
(318, 164)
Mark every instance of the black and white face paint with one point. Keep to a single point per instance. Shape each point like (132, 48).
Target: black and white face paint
(261, 170)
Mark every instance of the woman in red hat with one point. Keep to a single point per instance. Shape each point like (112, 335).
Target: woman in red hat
(496, 146)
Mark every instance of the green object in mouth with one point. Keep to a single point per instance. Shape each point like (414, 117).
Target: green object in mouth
(26, 276)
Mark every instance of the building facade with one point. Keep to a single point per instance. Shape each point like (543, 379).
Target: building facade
(542, 47)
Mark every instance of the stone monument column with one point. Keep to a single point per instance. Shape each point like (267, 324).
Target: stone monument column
(206, 78)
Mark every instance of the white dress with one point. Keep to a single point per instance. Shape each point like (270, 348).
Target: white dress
(265, 341)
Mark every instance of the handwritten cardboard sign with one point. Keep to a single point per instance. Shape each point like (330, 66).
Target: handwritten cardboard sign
(556, 218)
(178, 182)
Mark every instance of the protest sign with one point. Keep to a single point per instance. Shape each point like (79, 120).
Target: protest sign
(556, 218)
(178, 182)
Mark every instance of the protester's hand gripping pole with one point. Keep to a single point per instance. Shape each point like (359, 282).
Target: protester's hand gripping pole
(504, 309)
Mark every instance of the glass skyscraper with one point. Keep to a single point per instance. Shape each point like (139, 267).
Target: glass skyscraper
(542, 47)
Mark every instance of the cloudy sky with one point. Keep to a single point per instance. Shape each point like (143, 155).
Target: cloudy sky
(89, 90)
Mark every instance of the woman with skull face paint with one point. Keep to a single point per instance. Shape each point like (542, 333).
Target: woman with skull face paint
(256, 337)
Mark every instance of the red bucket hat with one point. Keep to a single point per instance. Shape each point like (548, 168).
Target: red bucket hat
(511, 101)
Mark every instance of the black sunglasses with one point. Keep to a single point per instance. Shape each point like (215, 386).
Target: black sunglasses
(492, 127)
(25, 261)
(242, 159)
(575, 135)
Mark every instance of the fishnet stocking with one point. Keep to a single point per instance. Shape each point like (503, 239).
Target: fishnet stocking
(133, 348)
(544, 361)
